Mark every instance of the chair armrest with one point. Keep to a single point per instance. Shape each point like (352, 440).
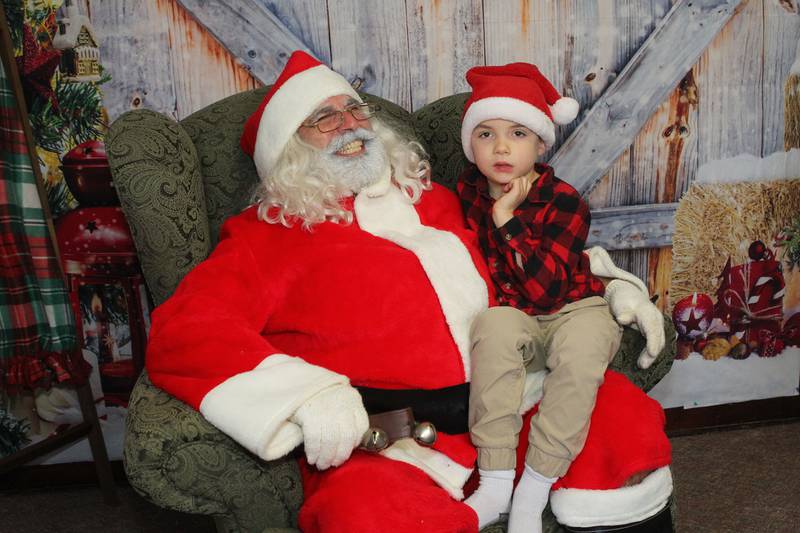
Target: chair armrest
(156, 173)
(176, 459)
(632, 345)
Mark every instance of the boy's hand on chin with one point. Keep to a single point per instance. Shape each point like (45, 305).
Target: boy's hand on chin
(515, 192)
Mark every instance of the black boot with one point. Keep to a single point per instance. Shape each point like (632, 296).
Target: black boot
(658, 523)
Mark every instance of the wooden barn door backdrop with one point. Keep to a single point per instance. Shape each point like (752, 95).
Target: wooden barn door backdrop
(665, 86)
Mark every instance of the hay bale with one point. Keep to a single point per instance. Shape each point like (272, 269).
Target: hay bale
(717, 220)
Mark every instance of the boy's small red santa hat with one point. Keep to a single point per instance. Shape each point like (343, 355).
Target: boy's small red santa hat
(517, 92)
(304, 84)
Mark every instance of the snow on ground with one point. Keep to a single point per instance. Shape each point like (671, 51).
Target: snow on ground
(746, 167)
(697, 382)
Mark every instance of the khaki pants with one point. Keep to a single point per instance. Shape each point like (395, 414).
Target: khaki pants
(575, 345)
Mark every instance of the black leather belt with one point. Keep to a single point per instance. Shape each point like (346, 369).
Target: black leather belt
(445, 408)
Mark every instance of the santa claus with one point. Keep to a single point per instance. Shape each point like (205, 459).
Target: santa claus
(353, 279)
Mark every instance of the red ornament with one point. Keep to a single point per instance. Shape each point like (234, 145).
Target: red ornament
(36, 66)
(700, 343)
(756, 250)
(692, 315)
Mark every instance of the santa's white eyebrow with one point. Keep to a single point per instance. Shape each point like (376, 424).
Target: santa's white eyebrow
(330, 109)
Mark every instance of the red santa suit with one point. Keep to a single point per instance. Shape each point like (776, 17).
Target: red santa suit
(278, 314)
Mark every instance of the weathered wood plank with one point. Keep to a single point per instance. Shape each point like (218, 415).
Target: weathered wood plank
(447, 40)
(524, 31)
(134, 47)
(253, 34)
(370, 47)
(203, 70)
(604, 36)
(729, 86)
(307, 20)
(656, 68)
(781, 34)
(659, 275)
(600, 38)
(666, 162)
(631, 227)
(636, 22)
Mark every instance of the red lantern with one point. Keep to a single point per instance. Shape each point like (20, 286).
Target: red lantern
(88, 175)
(107, 293)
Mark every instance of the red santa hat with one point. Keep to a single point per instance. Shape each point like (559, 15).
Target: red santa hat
(304, 84)
(516, 92)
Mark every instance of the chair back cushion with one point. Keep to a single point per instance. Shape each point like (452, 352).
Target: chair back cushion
(438, 127)
(157, 176)
(229, 176)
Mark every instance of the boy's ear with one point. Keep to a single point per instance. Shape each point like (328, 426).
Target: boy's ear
(542, 147)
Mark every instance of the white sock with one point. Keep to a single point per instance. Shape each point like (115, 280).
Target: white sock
(493, 495)
(530, 499)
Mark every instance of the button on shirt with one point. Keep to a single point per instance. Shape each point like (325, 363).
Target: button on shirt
(536, 259)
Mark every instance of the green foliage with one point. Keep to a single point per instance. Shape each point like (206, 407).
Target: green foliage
(15, 15)
(76, 117)
(790, 239)
(13, 433)
(39, 11)
(59, 198)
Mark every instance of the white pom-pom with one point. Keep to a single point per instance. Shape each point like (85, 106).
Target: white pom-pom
(564, 110)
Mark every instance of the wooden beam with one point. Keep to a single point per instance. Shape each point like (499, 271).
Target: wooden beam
(253, 34)
(43, 447)
(632, 227)
(652, 73)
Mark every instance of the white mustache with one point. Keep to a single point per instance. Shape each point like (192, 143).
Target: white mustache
(346, 138)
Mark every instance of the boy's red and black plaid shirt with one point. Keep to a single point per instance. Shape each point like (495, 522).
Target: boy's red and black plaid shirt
(536, 259)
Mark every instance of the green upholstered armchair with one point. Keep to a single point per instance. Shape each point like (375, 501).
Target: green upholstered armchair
(177, 182)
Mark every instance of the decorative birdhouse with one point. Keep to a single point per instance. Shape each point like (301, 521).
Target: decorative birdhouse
(80, 54)
(106, 292)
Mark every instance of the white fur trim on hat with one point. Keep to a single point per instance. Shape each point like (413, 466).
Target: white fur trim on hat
(625, 505)
(564, 110)
(506, 108)
(291, 104)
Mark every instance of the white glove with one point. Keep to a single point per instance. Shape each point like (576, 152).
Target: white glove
(631, 307)
(333, 422)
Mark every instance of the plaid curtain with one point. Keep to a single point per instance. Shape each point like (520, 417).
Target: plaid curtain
(38, 344)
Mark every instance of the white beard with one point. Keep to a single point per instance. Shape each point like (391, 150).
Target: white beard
(359, 172)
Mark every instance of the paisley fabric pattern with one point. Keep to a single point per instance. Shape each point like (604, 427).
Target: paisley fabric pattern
(229, 176)
(177, 182)
(438, 126)
(175, 458)
(156, 173)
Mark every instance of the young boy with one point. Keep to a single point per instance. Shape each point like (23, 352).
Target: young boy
(532, 227)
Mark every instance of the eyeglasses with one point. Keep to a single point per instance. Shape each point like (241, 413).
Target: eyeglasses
(332, 121)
